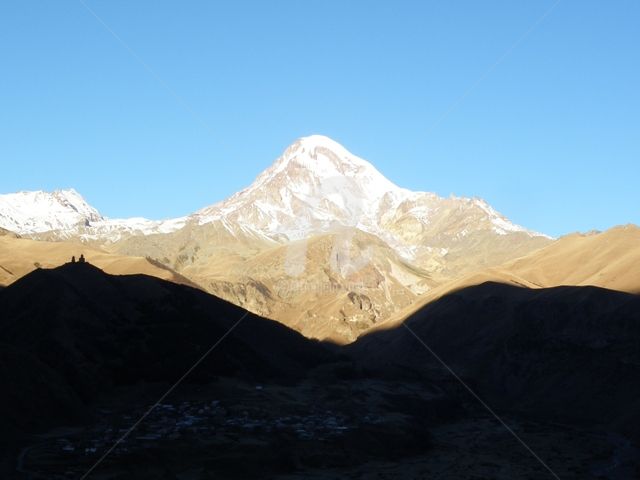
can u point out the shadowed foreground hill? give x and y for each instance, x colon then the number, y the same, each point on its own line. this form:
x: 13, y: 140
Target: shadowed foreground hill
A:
x: 564, y: 354
x: 89, y: 350
x: 70, y: 333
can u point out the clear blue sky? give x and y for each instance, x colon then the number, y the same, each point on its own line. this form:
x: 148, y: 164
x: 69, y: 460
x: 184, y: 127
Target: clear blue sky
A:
x: 550, y: 136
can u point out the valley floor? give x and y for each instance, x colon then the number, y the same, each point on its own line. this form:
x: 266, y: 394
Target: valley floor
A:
x: 356, y: 429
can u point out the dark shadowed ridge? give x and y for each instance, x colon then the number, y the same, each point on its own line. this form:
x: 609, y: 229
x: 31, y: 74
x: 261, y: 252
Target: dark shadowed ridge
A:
x: 74, y: 332
x: 564, y: 354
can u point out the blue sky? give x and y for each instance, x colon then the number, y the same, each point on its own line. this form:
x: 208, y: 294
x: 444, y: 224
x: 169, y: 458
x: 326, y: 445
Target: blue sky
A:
x: 549, y: 136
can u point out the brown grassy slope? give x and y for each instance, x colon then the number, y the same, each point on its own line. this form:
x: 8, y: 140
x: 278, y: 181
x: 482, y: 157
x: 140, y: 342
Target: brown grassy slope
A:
x: 609, y: 260
x: 19, y: 256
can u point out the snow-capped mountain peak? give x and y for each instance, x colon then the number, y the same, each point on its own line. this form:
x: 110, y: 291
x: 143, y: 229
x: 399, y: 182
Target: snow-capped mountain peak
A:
x: 36, y: 212
x: 315, y: 186
x: 327, y: 159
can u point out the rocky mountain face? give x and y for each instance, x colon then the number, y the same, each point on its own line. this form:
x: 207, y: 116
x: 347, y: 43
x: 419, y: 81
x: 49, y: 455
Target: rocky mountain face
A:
x: 314, y: 221
x: 325, y: 298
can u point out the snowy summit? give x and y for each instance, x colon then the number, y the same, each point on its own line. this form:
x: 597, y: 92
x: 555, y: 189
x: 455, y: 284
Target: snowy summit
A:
x: 315, y: 187
x: 37, y: 212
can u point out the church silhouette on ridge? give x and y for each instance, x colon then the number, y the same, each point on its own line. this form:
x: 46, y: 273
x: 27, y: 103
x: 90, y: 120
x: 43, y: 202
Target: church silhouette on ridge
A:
x: 80, y: 260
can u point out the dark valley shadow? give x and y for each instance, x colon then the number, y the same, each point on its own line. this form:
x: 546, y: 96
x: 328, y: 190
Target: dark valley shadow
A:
x: 83, y: 355
x: 565, y: 354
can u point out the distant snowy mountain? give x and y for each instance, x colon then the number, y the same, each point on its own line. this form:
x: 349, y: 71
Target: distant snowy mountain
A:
x: 315, y: 187
x: 65, y: 214
x: 37, y: 212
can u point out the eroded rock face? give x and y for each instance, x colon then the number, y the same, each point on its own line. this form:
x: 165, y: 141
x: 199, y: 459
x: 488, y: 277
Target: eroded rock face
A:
x: 250, y: 294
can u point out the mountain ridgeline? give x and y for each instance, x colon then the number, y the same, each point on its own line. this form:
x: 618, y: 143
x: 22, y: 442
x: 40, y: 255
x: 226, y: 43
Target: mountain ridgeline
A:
x: 318, y: 216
